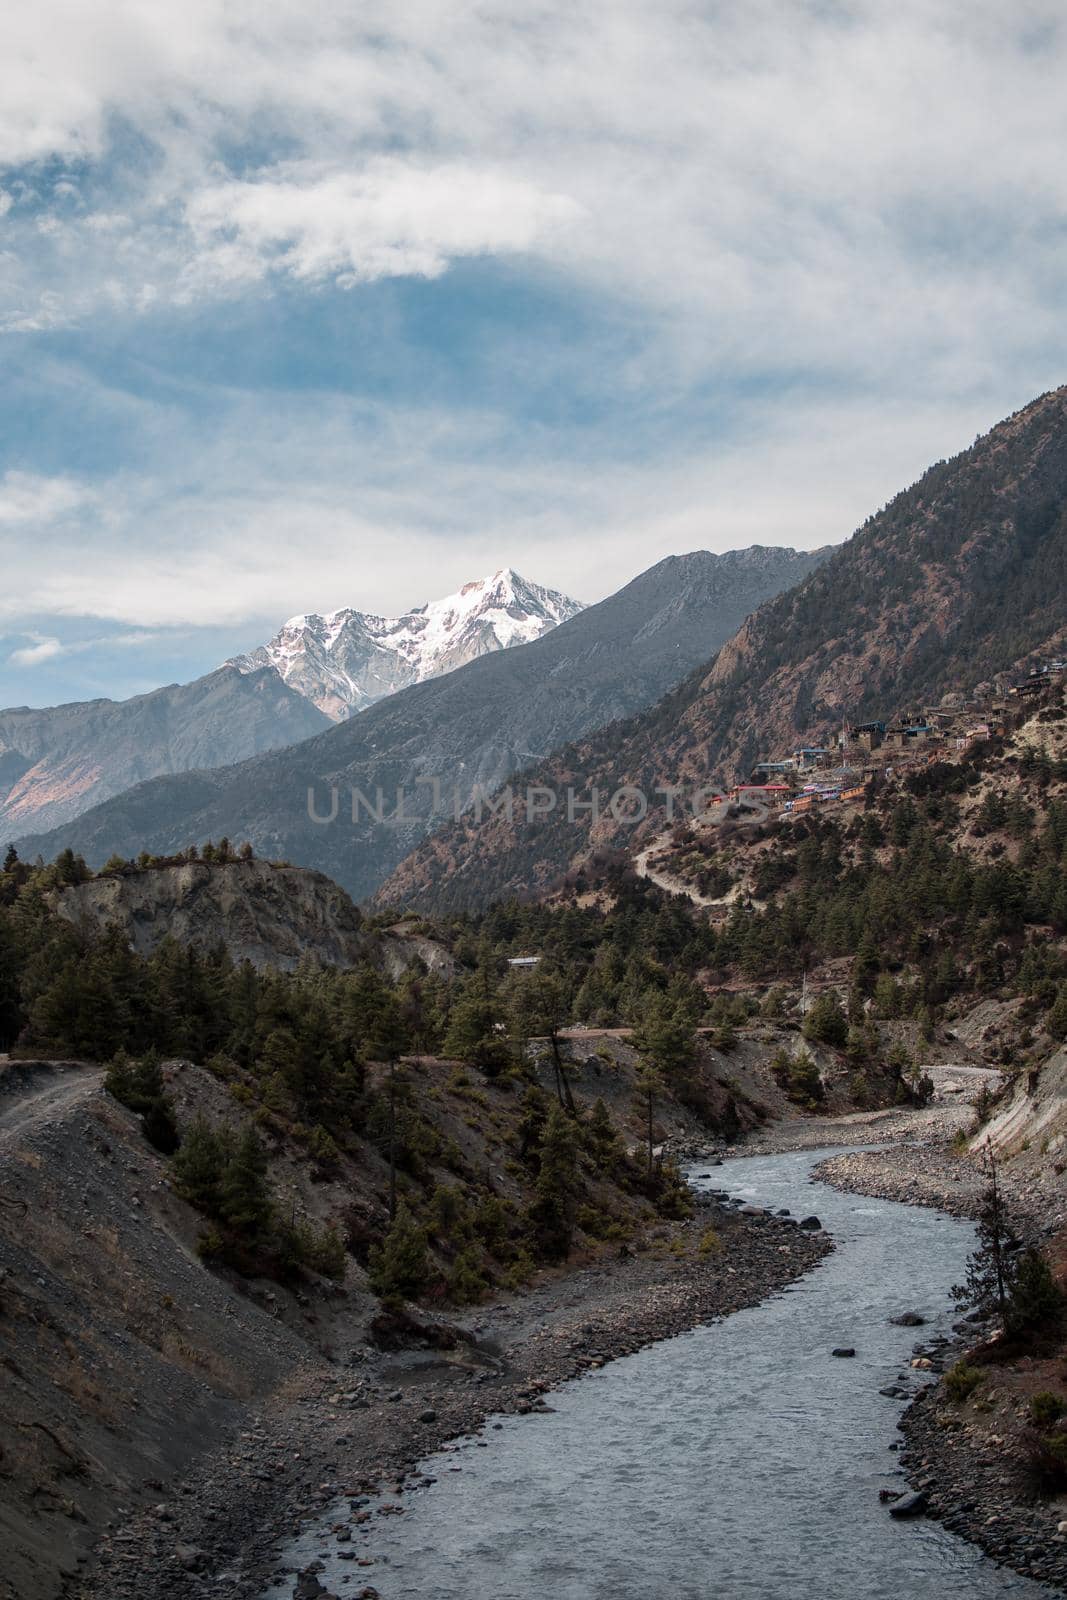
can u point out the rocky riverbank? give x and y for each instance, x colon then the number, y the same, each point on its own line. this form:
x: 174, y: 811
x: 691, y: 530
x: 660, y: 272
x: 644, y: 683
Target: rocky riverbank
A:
x: 929, y: 1171
x: 968, y: 1458
x: 973, y: 1475
x: 352, y: 1432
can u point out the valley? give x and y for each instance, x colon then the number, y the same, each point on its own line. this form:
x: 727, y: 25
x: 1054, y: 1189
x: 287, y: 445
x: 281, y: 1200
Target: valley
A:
x: 533, y: 801
x: 352, y: 1170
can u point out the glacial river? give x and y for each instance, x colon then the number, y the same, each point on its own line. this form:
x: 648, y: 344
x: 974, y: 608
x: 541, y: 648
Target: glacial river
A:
x: 738, y: 1462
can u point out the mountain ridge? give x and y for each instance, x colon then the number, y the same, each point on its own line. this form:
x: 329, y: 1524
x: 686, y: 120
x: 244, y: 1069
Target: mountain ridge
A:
x: 346, y: 660
x: 958, y: 578
x: 474, y: 726
x: 60, y: 760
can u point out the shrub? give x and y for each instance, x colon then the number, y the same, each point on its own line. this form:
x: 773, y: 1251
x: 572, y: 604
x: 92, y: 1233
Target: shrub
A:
x: 826, y: 1023
x: 962, y: 1380
x: 492, y: 1221
x: 1034, y: 1297
x: 520, y: 1271
x: 1045, y: 1408
x: 301, y: 1244
x: 799, y: 1077
x: 1047, y: 1455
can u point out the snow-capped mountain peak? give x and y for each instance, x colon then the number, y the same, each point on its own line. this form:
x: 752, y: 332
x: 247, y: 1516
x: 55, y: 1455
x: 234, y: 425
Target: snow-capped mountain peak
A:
x: 343, y: 661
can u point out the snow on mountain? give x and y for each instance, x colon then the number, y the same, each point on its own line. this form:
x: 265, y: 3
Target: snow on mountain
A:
x: 346, y: 660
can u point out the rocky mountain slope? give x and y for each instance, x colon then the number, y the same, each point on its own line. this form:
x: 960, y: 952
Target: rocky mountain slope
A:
x: 474, y: 726
x: 961, y: 578
x: 269, y: 914
x: 56, y: 763
x: 123, y: 1358
x: 346, y: 660
x: 127, y: 1359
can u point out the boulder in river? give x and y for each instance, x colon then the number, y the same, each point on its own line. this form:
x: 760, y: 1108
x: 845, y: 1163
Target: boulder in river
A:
x: 811, y: 1223
x: 909, y: 1319
x: 843, y: 1350
x: 909, y: 1505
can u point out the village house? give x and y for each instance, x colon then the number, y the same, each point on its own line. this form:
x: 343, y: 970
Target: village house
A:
x: 810, y: 756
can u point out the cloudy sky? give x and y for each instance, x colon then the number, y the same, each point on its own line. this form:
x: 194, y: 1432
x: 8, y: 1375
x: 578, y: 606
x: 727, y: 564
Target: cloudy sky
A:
x: 305, y: 305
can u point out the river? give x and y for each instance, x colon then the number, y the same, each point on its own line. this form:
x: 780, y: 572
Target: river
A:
x: 741, y: 1461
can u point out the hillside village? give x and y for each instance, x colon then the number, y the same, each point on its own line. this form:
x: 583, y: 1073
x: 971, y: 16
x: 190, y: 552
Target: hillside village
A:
x: 838, y: 774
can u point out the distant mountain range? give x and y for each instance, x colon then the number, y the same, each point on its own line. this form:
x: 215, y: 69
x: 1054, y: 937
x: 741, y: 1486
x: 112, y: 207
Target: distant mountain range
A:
x: 476, y: 725
x: 343, y: 662
x: 57, y: 763
x: 960, y: 579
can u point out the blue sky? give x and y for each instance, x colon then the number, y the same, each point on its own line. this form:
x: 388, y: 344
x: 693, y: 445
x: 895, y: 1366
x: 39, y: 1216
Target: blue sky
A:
x: 315, y: 305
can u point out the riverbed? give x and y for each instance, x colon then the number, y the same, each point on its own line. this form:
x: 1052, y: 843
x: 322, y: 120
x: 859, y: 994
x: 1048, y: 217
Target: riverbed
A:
x: 742, y: 1461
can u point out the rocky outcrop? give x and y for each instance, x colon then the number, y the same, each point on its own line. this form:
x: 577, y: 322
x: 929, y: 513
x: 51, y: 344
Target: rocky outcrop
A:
x: 1030, y: 1126
x: 269, y: 915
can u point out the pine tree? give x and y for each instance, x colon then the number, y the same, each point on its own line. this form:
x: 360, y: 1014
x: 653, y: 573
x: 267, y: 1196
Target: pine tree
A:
x: 198, y: 1168
x: 532, y: 1120
x: 538, y: 1008
x: 825, y: 1022
x: 244, y: 1196
x: 601, y: 1139
x: 551, y: 1214
x: 649, y: 1088
x: 1057, y: 1017
x: 987, y: 1284
x: 399, y: 1267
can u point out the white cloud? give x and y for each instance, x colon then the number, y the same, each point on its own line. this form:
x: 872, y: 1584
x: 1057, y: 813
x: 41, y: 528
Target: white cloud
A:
x: 843, y: 183
x: 785, y: 198
x: 32, y: 499
x: 46, y: 647
x: 43, y: 648
x: 314, y: 510
x: 389, y: 219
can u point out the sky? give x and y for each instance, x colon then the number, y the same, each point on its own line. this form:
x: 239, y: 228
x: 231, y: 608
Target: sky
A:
x: 322, y: 304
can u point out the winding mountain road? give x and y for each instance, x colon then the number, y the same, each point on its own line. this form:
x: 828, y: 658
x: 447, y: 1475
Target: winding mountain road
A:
x: 32, y: 1092
x: 671, y: 884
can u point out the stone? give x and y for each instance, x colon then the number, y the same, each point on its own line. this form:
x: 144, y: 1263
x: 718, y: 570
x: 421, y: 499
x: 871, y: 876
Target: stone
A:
x: 843, y: 1350
x: 189, y: 1557
x: 909, y: 1505
x: 428, y: 1415
x: 811, y: 1223
x: 910, y: 1319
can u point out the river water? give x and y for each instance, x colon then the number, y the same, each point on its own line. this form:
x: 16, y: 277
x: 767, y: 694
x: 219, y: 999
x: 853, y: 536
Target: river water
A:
x: 738, y: 1462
